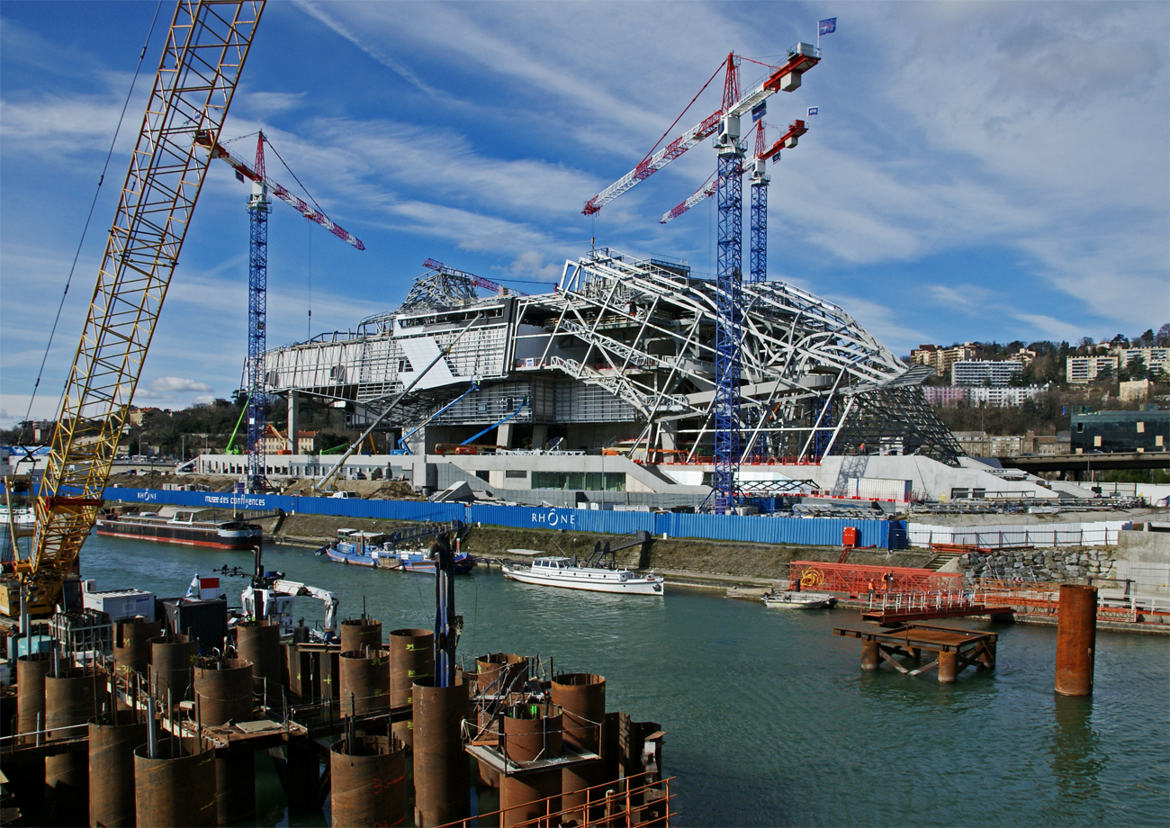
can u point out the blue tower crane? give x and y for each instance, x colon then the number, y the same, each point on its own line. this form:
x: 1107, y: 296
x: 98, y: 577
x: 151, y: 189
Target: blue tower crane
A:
x: 729, y: 283
x: 258, y: 210
x: 728, y: 189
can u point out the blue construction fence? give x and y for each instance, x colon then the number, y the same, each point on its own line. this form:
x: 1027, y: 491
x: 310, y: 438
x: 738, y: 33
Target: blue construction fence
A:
x: 880, y: 534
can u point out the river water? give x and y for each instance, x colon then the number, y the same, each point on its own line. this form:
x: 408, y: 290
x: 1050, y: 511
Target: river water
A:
x: 769, y: 719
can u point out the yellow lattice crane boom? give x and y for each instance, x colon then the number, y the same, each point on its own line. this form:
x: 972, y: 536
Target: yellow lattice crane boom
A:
x: 205, y: 51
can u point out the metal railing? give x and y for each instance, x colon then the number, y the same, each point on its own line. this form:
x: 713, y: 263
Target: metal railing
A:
x: 633, y: 802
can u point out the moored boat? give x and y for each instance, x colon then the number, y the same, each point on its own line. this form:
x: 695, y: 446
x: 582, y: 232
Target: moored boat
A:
x: 355, y: 548
x: 420, y: 560
x: 377, y: 549
x: 562, y: 572
x: 790, y: 599
x: 181, y: 528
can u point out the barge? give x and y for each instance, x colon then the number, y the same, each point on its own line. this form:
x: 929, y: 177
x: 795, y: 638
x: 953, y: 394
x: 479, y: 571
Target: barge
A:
x: 182, y: 528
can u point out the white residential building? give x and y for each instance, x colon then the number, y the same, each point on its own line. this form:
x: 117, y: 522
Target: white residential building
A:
x: 1156, y: 359
x: 1079, y: 370
x: 979, y: 371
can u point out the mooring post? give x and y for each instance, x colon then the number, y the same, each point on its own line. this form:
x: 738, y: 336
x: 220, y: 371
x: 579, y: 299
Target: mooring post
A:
x: 870, y: 656
x: 948, y: 662
x: 1076, y: 640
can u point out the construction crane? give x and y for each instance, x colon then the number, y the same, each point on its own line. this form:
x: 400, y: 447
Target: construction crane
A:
x: 204, y: 54
x: 759, y: 212
x: 258, y: 210
x: 730, y: 151
x: 785, y: 78
x: 759, y: 177
x: 478, y: 281
x: 729, y: 198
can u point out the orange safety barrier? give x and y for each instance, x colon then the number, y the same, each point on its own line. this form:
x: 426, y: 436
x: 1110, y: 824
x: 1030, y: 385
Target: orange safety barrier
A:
x: 855, y: 579
x: 1042, y: 598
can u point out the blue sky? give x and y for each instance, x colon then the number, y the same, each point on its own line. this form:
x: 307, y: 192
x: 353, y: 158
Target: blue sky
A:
x: 978, y: 171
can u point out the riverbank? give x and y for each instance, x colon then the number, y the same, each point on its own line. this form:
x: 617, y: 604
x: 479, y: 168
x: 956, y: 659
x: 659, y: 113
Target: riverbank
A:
x: 714, y: 564
x: 736, y: 570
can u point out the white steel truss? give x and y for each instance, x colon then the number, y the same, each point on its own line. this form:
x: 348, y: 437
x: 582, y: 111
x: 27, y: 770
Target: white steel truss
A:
x: 813, y: 381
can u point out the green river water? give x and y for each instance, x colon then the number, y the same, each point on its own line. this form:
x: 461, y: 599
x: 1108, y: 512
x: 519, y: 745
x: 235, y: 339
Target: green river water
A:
x: 769, y: 719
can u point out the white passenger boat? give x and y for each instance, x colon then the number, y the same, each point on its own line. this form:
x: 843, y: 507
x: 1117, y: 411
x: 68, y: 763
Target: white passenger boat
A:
x: 563, y: 572
x: 789, y: 599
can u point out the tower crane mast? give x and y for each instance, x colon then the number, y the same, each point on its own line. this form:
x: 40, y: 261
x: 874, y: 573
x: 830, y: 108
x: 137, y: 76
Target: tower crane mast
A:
x: 203, y: 56
x: 258, y: 210
x: 725, y: 125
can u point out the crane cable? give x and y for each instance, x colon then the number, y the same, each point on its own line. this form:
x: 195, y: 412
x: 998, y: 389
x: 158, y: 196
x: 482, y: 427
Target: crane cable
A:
x: 85, y: 230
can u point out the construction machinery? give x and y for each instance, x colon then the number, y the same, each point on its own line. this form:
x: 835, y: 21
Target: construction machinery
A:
x: 258, y: 210
x: 204, y: 54
x: 724, y: 125
x: 272, y: 600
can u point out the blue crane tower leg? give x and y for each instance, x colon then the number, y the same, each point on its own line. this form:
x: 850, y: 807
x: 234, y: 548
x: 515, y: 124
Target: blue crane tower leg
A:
x: 758, y: 271
x: 257, y: 321
x: 729, y: 196
x: 759, y: 253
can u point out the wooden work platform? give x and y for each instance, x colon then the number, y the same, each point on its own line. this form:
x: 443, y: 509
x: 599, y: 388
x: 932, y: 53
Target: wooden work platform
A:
x: 954, y: 649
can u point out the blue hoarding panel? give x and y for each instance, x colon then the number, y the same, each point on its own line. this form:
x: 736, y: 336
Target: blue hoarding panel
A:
x: 881, y: 534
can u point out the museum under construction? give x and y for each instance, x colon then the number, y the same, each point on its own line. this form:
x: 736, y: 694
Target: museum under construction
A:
x: 604, y: 389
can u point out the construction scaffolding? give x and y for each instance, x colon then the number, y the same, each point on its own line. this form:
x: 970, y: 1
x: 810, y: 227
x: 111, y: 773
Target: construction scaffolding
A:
x: 622, y: 351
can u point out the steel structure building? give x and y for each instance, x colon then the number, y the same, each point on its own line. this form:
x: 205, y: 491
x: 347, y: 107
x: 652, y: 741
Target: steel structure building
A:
x: 620, y: 356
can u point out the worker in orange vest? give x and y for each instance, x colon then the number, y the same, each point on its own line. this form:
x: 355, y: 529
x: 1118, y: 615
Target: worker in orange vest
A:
x: 871, y: 589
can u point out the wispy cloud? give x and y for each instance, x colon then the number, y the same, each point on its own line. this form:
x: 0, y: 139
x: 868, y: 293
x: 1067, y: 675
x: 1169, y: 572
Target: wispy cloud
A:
x: 176, y: 385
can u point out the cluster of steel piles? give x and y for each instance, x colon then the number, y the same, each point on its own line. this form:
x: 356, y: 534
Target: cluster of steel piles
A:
x: 549, y: 746
x: 154, y: 733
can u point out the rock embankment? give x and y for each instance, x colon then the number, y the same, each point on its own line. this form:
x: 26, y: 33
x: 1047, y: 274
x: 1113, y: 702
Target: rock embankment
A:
x: 1045, y: 565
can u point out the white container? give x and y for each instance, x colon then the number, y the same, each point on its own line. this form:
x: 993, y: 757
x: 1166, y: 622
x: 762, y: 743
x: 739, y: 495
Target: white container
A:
x: 118, y: 603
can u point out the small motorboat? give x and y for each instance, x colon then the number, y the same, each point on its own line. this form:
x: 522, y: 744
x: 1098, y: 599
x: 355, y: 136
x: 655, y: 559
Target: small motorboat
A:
x: 790, y: 599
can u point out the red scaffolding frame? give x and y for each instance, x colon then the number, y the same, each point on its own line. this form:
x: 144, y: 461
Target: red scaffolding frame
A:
x: 855, y: 579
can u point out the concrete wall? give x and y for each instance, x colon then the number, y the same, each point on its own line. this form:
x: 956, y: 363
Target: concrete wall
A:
x: 1145, y: 547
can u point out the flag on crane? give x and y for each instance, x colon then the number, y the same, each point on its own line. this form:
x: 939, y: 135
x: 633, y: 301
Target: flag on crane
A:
x: 827, y: 26
x: 814, y: 110
x: 759, y: 111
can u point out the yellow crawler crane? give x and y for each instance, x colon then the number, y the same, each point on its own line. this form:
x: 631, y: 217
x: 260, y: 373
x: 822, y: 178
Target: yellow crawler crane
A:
x: 204, y: 54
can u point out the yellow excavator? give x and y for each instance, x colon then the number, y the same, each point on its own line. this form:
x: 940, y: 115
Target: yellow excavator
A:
x: 206, y: 47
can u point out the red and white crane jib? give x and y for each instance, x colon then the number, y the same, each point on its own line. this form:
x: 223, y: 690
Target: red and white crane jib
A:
x: 706, y: 191
x: 786, y: 141
x: 654, y: 163
x: 786, y: 78
x: 308, y: 211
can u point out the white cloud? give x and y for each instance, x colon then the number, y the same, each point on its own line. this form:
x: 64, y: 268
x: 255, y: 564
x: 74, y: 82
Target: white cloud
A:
x: 176, y: 385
